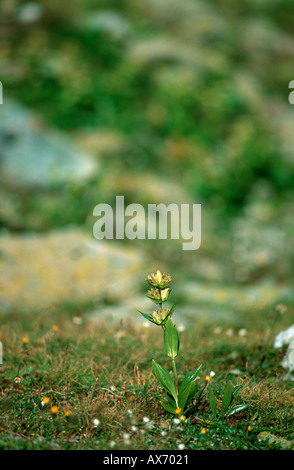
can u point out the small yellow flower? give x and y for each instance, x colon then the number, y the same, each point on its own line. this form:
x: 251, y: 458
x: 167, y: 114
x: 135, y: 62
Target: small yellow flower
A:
x: 159, y: 295
x: 158, y: 316
x: 178, y: 411
x: 165, y: 293
x: 25, y: 340
x: 154, y: 294
x: 158, y: 279
x: 207, y: 378
x: 17, y: 380
x: 203, y: 431
x: 54, y: 409
x: 54, y: 328
x: 67, y: 413
x: 249, y: 428
x: 45, y: 400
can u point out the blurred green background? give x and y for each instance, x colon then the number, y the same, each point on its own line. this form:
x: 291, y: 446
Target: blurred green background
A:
x: 180, y: 101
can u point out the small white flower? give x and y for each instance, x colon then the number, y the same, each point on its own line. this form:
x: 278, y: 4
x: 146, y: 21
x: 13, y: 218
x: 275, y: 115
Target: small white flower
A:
x: 242, y: 332
x: 130, y: 412
x: 112, y: 387
x: 181, y: 327
x: 181, y: 446
x: 112, y: 444
x: 134, y: 428
x: 77, y: 320
x: 176, y: 421
x: 163, y: 433
x: 146, y: 419
x: 211, y: 374
x: 126, y: 436
x: 229, y: 332
x: 96, y: 422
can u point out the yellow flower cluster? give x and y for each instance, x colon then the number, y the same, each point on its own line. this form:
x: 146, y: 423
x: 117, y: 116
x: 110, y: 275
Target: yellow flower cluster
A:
x: 159, y: 295
x: 158, y: 279
x: 158, y: 316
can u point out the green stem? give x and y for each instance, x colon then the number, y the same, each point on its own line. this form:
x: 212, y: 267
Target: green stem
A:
x: 175, y: 376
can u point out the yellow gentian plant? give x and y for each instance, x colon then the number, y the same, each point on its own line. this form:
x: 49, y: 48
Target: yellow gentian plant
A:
x: 181, y: 395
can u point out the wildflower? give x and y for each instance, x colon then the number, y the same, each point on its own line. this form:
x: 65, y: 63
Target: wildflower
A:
x: 249, y: 428
x: 45, y: 401
x: 25, y: 340
x: 242, y: 332
x: 281, y: 308
x: 181, y: 446
x: 178, y: 411
x: 134, y: 428
x: 154, y: 294
x: 163, y: 433
x: 17, y: 380
x: 203, y: 431
x: 158, y: 279
x: 112, y: 444
x: 217, y: 330
x: 77, y: 320
x: 54, y: 328
x: 67, y: 413
x: 176, y: 421
x: 126, y: 436
x: 164, y: 294
x: 96, y: 422
x: 146, y: 419
x: 54, y: 409
x: 130, y: 412
x: 208, y: 377
x: 158, y: 316
x: 181, y: 327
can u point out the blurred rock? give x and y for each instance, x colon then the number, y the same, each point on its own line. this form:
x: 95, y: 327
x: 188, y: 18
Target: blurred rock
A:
x: 231, y: 296
x: 262, y: 244
x: 42, y: 271
x: 35, y: 157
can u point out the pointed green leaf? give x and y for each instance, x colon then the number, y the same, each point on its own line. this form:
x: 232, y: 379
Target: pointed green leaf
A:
x: 165, y: 379
x: 190, y: 378
x: 171, y: 409
x: 236, y: 409
x: 236, y: 390
x: 145, y: 315
x: 186, y: 395
x: 227, y: 398
x: 169, y: 315
x: 171, y: 339
x: 212, y: 403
